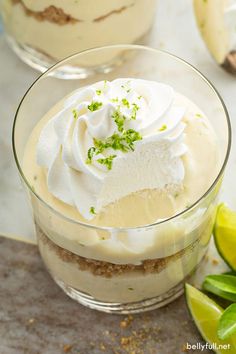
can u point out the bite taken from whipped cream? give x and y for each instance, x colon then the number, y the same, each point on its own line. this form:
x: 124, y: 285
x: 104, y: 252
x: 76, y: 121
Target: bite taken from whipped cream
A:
x: 128, y: 143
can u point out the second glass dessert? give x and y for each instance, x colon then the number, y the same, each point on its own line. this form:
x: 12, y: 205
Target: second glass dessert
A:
x: 123, y: 171
x: 46, y: 31
x: 216, y: 21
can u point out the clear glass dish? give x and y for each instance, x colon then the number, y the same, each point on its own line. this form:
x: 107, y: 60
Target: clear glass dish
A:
x: 43, y: 32
x: 79, y: 256
x: 216, y: 20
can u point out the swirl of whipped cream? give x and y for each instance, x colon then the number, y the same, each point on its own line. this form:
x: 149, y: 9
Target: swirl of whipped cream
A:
x: 112, y: 139
x: 230, y: 21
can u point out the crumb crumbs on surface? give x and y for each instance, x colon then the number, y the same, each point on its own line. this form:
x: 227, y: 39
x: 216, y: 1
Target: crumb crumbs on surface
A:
x: 184, y: 348
x: 215, y: 261
x: 124, y: 340
x: 102, y: 347
x: 67, y: 348
x: 92, y: 344
x: 31, y: 320
x: 126, y: 321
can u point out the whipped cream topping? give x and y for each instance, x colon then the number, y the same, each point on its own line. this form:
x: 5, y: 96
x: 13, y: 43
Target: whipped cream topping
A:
x: 230, y: 21
x: 111, y: 139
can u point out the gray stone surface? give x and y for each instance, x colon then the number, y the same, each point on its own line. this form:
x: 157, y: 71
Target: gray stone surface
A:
x: 36, y: 317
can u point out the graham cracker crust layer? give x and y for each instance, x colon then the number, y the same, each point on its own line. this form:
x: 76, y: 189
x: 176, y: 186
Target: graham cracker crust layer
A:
x: 118, y: 11
x: 107, y: 269
x: 57, y: 15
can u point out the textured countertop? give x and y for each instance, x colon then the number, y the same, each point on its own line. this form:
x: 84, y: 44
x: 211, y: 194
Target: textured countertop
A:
x: 35, y: 316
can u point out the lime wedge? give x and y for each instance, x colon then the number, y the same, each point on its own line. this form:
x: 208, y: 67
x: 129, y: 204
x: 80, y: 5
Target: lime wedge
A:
x: 223, y: 285
x: 225, y: 235
x: 206, y: 315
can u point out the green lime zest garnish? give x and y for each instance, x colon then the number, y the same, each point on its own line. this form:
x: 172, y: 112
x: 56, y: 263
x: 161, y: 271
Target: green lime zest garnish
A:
x: 92, y: 210
x: 75, y: 113
x: 98, y: 92
x: 122, y: 139
x: 107, y: 161
x: 91, y: 152
x: 125, y: 102
x: 126, y: 88
x: 198, y: 115
x: 162, y: 128
x: 119, y: 119
x: 123, y: 142
x: 131, y: 136
x: 134, y: 110
x: 94, y: 106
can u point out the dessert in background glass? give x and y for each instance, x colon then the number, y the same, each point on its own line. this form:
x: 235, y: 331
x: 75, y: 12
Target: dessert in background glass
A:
x: 216, y: 21
x: 46, y: 31
x: 123, y: 171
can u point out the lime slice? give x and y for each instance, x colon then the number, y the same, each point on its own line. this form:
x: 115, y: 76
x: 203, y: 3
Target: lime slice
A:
x: 225, y: 235
x: 206, y: 315
x: 222, y: 285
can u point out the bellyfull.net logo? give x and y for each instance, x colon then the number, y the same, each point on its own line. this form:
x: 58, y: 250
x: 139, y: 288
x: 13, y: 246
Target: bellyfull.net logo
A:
x: 202, y: 347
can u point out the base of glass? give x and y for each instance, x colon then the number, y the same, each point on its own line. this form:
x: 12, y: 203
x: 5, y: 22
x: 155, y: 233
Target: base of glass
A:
x: 43, y: 62
x: 122, y: 308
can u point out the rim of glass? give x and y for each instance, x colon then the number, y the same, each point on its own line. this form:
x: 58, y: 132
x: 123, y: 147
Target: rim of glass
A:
x: 132, y: 47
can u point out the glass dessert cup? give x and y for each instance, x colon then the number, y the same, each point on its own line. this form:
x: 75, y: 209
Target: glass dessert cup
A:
x: 111, y: 269
x: 216, y: 22
x: 43, y: 34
